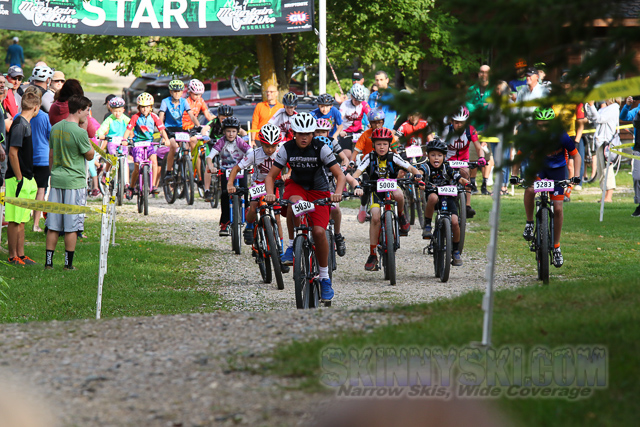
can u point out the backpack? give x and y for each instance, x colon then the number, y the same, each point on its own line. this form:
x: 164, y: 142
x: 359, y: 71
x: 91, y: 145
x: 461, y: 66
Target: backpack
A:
x: 373, y: 160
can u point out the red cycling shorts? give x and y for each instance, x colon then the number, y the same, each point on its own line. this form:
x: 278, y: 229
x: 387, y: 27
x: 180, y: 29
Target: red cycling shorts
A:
x: 319, y: 217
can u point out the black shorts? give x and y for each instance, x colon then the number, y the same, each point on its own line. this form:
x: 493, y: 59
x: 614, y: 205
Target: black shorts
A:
x: 452, y: 204
x: 346, y: 143
x: 41, y: 174
x: 171, y: 131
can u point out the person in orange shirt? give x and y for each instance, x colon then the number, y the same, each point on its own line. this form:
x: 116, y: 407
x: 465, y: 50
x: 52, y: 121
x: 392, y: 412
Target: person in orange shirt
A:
x: 264, y: 111
x: 364, y: 146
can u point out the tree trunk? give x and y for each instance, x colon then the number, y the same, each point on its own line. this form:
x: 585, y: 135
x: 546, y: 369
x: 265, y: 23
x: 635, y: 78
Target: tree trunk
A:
x: 283, y: 54
x: 266, y: 63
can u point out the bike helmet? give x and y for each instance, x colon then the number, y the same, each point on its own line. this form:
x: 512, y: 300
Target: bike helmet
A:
x: 357, y: 92
x: 324, y: 140
x: 290, y: 99
x: 269, y: 134
x: 116, y: 102
x: 382, y: 133
x: 462, y: 115
x: 325, y: 99
x: 145, y: 100
x: 176, y: 85
x: 375, y: 114
x: 196, y: 87
x: 544, y: 114
x: 303, y: 123
x: 323, y: 124
x: 225, y: 110
x: 41, y: 74
x: 436, y: 144
x: 230, y: 122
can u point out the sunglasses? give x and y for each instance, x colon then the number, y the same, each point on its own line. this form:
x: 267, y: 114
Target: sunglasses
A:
x: 18, y: 78
x: 59, y: 81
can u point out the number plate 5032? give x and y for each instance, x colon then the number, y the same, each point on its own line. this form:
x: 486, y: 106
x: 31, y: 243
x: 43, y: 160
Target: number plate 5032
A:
x: 448, y: 190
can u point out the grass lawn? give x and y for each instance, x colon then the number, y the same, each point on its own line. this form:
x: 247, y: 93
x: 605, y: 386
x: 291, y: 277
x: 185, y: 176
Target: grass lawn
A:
x: 592, y: 299
x: 141, y: 281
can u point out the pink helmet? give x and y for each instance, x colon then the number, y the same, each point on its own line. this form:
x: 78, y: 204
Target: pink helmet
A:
x: 324, y: 124
x: 462, y: 115
x: 196, y: 87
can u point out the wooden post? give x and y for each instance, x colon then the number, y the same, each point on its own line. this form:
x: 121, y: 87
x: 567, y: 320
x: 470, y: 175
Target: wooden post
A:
x: 266, y: 64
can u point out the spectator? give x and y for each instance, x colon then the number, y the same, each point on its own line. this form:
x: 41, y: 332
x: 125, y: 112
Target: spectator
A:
x: 264, y: 111
x: 627, y: 115
x: 70, y: 147
x: 532, y: 90
x: 383, y: 94
x: 56, y: 82
x: 3, y: 130
x: 358, y: 77
x: 15, y: 54
x: 20, y: 182
x: 501, y: 90
x: 477, y: 102
x: 10, y: 104
x: 520, y: 80
x: 41, y: 78
x: 60, y: 110
x: 106, y: 102
x: 606, y: 120
x: 542, y: 73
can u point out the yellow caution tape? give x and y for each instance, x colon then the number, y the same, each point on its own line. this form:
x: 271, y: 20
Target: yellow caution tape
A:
x: 488, y: 139
x: 619, y: 127
x: 108, y: 157
x: 51, y: 207
x: 631, y: 156
x: 618, y: 88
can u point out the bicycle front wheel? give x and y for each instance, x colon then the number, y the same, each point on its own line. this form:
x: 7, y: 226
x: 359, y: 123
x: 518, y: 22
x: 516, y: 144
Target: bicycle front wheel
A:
x: 262, y: 259
x: 274, y: 253
x: 542, y: 240
x: 169, y: 188
x: 145, y: 189
x: 390, y: 247
x: 301, y: 268
x: 215, y: 191
x: 420, y: 204
x: 409, y: 197
x: 332, y: 253
x: 189, y: 186
x: 444, y: 247
x: 121, y: 177
x: 236, y: 226
x: 462, y: 218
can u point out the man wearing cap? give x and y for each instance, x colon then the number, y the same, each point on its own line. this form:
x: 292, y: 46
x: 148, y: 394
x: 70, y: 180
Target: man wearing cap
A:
x: 520, y: 80
x: 358, y: 77
x: 14, y: 76
x: 15, y: 54
x: 532, y: 90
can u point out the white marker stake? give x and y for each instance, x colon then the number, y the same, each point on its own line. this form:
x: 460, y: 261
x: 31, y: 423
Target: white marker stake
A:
x: 604, y: 187
x: 104, y: 243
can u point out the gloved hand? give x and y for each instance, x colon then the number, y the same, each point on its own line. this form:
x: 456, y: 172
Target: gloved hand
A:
x: 482, y: 162
x: 19, y: 187
x: 514, y: 180
x: 576, y: 180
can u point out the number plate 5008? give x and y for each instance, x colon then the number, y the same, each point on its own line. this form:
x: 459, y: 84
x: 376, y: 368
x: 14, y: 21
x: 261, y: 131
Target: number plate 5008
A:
x: 543, y: 185
x: 302, y: 207
x: 387, y: 185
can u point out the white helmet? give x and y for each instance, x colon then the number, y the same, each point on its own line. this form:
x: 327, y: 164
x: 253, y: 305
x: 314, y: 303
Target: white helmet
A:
x: 269, y: 134
x: 462, y: 114
x: 196, y: 87
x: 303, y: 123
x: 357, y: 92
x: 41, y: 74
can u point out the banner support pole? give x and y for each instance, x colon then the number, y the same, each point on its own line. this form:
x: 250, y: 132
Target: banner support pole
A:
x: 322, y: 47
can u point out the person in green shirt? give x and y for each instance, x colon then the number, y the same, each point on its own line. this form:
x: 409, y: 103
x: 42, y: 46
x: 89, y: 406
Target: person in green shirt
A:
x: 476, y: 102
x: 70, y: 147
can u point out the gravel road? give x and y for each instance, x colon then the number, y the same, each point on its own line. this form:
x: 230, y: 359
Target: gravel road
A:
x: 186, y: 370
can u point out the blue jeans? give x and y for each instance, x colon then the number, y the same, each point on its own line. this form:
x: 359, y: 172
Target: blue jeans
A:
x: 580, y: 148
x: 505, y: 161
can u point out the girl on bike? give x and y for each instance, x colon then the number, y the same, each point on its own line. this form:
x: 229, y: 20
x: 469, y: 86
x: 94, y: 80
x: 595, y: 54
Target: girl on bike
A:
x: 437, y: 173
x: 113, y: 126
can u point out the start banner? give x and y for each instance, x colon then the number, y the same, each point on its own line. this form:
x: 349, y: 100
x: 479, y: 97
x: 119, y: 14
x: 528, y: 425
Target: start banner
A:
x: 158, y: 17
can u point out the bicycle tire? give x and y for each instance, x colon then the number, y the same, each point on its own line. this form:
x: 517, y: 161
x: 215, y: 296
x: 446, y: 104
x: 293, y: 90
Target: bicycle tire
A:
x: 381, y: 250
x: 445, y: 249
x: 300, y: 272
x: 420, y: 206
x: 121, y: 178
x: 145, y: 189
x: 274, y: 252
x: 139, y: 199
x: 178, y: 174
x: 203, y: 168
x: 236, y: 226
x: 332, y: 253
x: 390, y: 249
x: 542, y: 251
x: 462, y: 219
x: 262, y: 259
x: 169, y: 188
x: 436, y: 249
x: 189, y: 185
x: 314, y: 294
x: 410, y: 198
x: 215, y: 191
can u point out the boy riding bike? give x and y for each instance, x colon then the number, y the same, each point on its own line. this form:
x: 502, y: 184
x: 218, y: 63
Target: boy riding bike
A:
x: 141, y: 127
x: 382, y: 163
x: 326, y: 111
x: 458, y: 137
x: 554, y: 168
x: 352, y: 111
x: 410, y: 129
x: 113, y: 126
x: 437, y: 173
x: 307, y: 159
x: 282, y: 117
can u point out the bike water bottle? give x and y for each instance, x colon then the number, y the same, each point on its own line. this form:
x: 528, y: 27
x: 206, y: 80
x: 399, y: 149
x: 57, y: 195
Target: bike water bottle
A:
x: 444, y: 205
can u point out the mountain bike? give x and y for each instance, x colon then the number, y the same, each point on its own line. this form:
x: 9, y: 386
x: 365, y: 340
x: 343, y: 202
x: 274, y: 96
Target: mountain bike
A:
x: 440, y: 245
x: 414, y: 198
x: 237, y: 211
x: 461, y: 199
x: 542, y: 243
x: 119, y: 182
x: 144, y: 177
x: 181, y: 184
x: 201, y: 160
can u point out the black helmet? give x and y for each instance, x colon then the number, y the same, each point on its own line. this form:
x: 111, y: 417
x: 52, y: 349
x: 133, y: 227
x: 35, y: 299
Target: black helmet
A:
x: 436, y: 144
x: 325, y: 99
x: 290, y: 99
x: 230, y: 122
x: 225, y: 110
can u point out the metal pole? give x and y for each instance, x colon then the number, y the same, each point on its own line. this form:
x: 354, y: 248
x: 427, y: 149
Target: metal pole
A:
x: 322, y: 47
x: 604, y: 187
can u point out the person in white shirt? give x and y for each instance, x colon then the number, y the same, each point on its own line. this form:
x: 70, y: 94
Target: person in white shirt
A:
x: 532, y: 90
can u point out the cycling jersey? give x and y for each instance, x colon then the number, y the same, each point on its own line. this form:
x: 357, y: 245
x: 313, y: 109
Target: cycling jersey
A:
x: 173, y: 112
x: 231, y: 152
x: 216, y: 130
x: 352, y: 115
x: 386, y: 166
x: 365, y: 146
x: 557, y: 158
x: 407, y: 129
x: 458, y: 145
x: 568, y: 116
x: 261, y: 162
x: 197, y: 107
x: 143, y: 126
x: 334, y: 117
x: 114, y: 127
x: 283, y: 121
x: 307, y: 164
x: 442, y: 175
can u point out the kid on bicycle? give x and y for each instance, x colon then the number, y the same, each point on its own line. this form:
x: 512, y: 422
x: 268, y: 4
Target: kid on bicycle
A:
x: 326, y: 111
x: 554, y: 168
x: 382, y: 163
x: 232, y: 149
x: 282, y: 118
x: 113, y: 126
x: 195, y: 89
x: 437, y: 172
x: 141, y: 126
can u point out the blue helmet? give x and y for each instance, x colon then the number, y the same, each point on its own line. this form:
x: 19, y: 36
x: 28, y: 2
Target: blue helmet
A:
x: 375, y: 114
x: 325, y: 140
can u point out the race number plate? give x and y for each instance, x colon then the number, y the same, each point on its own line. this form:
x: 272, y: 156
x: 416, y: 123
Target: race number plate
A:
x: 302, y: 207
x: 182, y: 136
x: 414, y: 151
x: 543, y: 185
x: 387, y: 185
x: 457, y: 164
x: 142, y: 144
x: 116, y: 140
x: 258, y: 191
x: 238, y: 176
x: 448, y: 190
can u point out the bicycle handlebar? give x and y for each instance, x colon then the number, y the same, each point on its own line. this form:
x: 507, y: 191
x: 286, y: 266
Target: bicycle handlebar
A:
x: 516, y: 180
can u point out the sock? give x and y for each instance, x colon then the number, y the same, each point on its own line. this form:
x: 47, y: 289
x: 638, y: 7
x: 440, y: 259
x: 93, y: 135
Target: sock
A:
x: 362, y: 208
x: 484, y: 181
x: 290, y: 243
x: 49, y: 260
x: 373, y: 249
x: 427, y: 221
x: 324, y: 272
x: 68, y: 259
x: 473, y: 181
x: 556, y: 246
x: 250, y: 225
x: 529, y: 222
x: 454, y: 246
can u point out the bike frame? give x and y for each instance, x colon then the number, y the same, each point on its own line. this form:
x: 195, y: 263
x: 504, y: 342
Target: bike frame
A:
x: 145, y: 161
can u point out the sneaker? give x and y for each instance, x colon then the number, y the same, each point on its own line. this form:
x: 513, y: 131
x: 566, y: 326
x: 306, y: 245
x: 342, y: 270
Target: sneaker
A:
x: 48, y: 267
x: 207, y: 196
x: 168, y: 176
x: 470, y: 212
x: 404, y: 225
x: 426, y: 232
x: 578, y: 187
x: 248, y: 236
x: 557, y: 258
x: 128, y: 192
x: 474, y: 188
x: 326, y: 292
x: 567, y: 199
x: 528, y: 232
x: 154, y: 191
x: 27, y: 260
x: 372, y: 263
x: 95, y: 192
x: 484, y: 190
x: 636, y: 213
x: 362, y: 216
x: 68, y: 268
x: 456, y: 259
x: 224, y: 230
x: 341, y: 247
x: 16, y: 261
x: 287, y: 257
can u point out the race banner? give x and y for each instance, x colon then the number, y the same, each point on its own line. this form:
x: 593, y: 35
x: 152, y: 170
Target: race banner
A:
x: 158, y: 17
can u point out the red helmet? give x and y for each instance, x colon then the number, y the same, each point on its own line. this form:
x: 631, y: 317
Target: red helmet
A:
x: 382, y: 133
